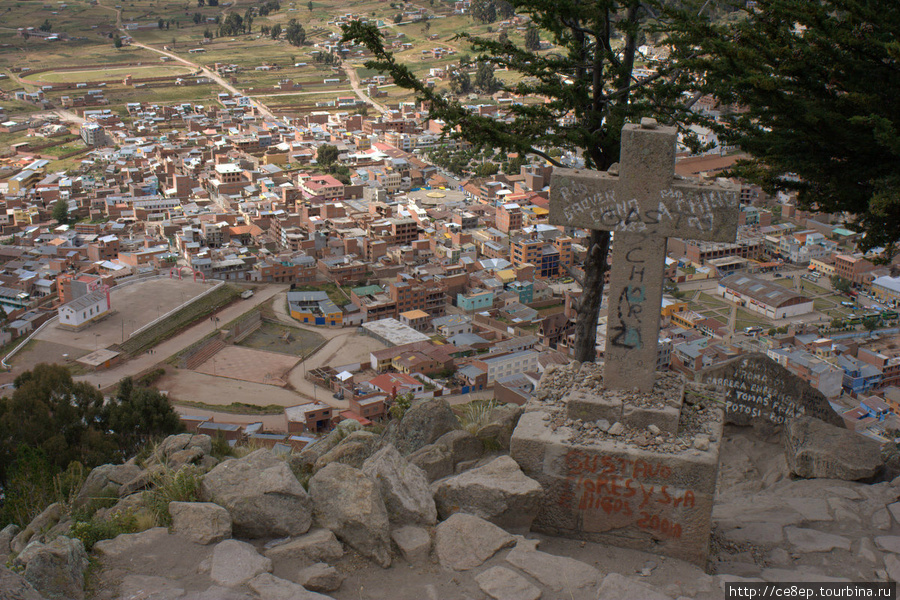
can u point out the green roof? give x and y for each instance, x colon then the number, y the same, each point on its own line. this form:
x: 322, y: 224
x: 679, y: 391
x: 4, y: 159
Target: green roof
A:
x: 842, y: 231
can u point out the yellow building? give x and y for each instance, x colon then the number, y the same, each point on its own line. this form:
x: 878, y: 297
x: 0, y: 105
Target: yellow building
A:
x: 820, y: 266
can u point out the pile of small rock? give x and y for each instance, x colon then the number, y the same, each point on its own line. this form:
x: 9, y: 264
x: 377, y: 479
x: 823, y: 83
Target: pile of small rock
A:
x: 697, y: 421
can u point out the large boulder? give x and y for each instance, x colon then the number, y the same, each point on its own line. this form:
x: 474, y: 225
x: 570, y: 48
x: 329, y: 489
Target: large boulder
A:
x: 423, y: 424
x: 126, y: 544
x: 183, y: 441
x: 815, y: 449
x: 316, y: 546
x: 306, y: 459
x: 234, y: 563
x: 14, y: 587
x: 56, y: 569
x: 105, y: 481
x: 502, y: 584
x: 274, y: 588
x: 349, y: 504
x: 261, y: 494
x: 7, y: 535
x: 441, y: 458
x: 201, y: 522
x: 353, y: 450
x: 464, y: 542
x: 502, y: 421
x: 403, y: 487
x: 499, y: 492
x: 38, y: 526
x: 560, y: 574
x: 414, y: 543
x: 320, y: 577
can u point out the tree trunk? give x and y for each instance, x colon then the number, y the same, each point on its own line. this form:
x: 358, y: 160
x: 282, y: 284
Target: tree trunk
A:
x: 592, y: 293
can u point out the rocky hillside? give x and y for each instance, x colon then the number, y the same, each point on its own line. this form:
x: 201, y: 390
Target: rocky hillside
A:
x: 423, y: 511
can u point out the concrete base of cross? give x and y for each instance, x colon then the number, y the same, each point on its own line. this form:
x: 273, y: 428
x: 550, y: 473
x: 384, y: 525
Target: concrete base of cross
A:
x: 647, y: 482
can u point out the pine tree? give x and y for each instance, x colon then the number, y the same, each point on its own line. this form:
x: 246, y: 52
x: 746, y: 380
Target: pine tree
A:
x: 532, y: 39
x: 589, y: 89
x: 818, y: 84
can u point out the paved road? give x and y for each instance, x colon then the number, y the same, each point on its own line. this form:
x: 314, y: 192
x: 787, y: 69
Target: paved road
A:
x: 181, y: 341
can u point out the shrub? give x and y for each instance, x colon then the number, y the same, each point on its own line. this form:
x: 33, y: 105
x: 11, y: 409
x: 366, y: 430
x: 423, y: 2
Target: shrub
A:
x: 94, y: 530
x: 172, y: 486
x: 477, y: 414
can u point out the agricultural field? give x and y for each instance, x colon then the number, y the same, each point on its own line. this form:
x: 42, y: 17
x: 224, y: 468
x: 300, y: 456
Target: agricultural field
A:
x: 181, y: 26
x: 142, y: 71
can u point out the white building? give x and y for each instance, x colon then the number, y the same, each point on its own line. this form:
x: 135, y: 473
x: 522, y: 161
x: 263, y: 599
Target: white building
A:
x: 82, y: 310
x: 763, y: 297
x: 509, y: 364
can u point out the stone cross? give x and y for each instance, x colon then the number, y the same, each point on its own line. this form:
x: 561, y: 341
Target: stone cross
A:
x: 642, y: 205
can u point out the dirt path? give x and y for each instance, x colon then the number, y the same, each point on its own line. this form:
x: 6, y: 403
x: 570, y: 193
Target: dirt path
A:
x: 178, y: 343
x: 354, y: 83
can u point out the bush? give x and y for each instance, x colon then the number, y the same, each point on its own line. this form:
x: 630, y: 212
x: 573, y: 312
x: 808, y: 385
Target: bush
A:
x: 477, y: 414
x: 94, y: 530
x: 172, y: 486
x: 400, y: 405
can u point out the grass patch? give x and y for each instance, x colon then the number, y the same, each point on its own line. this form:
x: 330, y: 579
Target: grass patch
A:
x: 112, y: 73
x: 711, y: 301
x: 172, y: 486
x: 94, y: 530
x: 235, y: 408
x: 196, y: 310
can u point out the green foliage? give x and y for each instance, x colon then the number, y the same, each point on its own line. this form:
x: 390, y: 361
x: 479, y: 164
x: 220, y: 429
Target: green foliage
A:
x: 486, y: 169
x: 233, y: 25
x: 532, y: 39
x: 326, y: 154
x: 589, y: 89
x: 460, y: 82
x: 871, y: 323
x: 400, y: 405
x: 94, y: 530
x: 51, y: 426
x: 483, y: 11
x: 477, y: 414
x: 294, y: 34
x: 485, y: 80
x: 398, y: 18
x: 46, y: 26
x: 61, y: 212
x: 139, y: 414
x: 269, y: 7
x: 275, y: 31
x: 117, y: 41
x: 840, y: 284
x: 220, y: 448
x: 803, y: 72
x: 172, y: 486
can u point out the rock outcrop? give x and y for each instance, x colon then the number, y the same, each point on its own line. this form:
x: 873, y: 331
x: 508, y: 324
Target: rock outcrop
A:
x: 105, y: 481
x: 352, y: 450
x: 440, y: 459
x: 815, y: 449
x: 261, y: 494
x: 403, y: 487
x: 423, y: 424
x: 349, y: 504
x: 234, y: 563
x: 464, y: 542
x: 317, y: 545
x: 497, y: 491
x: 201, y: 522
x: 55, y: 569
